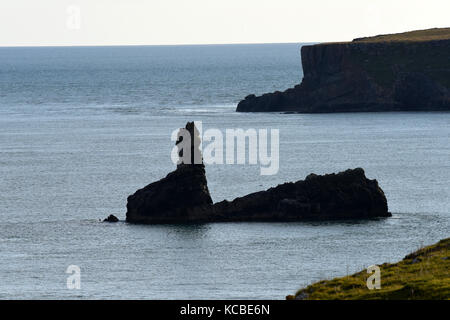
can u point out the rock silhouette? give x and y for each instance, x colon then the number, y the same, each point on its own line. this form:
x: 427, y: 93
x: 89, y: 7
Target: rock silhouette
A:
x: 111, y: 218
x: 183, y: 197
x: 175, y: 197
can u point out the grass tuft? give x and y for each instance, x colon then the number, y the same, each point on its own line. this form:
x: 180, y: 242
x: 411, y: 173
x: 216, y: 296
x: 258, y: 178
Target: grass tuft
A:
x: 424, y: 274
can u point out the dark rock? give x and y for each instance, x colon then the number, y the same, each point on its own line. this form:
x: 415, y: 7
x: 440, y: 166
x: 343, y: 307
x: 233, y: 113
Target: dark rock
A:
x: 346, y: 195
x: 174, y: 198
x: 183, y: 197
x: 300, y: 296
x: 366, y: 76
x: 111, y: 218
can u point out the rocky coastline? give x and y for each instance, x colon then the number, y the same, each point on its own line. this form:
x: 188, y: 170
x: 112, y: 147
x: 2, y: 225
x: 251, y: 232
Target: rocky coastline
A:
x: 401, y: 72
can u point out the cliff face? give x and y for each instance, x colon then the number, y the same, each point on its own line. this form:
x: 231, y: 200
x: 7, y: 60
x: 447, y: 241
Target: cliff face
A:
x: 366, y: 75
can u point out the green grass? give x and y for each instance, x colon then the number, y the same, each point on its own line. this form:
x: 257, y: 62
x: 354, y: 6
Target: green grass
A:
x: 424, y: 274
x: 417, y: 35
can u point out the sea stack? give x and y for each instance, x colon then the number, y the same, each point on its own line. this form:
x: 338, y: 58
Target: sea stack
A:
x: 398, y: 72
x: 175, y: 197
x: 183, y: 196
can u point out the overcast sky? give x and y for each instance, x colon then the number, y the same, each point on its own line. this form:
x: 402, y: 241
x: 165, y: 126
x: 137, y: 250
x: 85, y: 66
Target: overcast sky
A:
x: 147, y: 22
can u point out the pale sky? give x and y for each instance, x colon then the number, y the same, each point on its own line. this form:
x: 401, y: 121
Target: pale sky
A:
x: 150, y: 22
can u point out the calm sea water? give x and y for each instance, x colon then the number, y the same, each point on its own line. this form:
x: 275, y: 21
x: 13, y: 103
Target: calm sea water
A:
x: 83, y: 128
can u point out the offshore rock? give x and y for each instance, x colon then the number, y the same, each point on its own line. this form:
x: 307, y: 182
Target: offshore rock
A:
x: 346, y: 195
x: 183, y: 197
x: 174, y: 198
x: 111, y: 218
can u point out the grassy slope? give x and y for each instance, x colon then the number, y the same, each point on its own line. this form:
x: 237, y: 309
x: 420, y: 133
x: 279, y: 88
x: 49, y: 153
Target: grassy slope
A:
x: 424, y: 274
x: 417, y: 35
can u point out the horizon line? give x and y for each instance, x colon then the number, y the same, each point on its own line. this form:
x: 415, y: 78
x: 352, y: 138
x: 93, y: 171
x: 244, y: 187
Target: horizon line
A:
x: 156, y: 45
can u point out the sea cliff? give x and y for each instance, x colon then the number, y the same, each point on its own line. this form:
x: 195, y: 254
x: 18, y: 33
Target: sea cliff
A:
x: 401, y: 72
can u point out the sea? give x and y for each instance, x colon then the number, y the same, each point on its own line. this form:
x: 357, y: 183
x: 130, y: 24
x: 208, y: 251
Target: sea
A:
x: 82, y: 128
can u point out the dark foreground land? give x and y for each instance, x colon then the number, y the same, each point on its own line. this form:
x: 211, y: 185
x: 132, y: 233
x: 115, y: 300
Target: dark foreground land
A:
x: 424, y: 274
